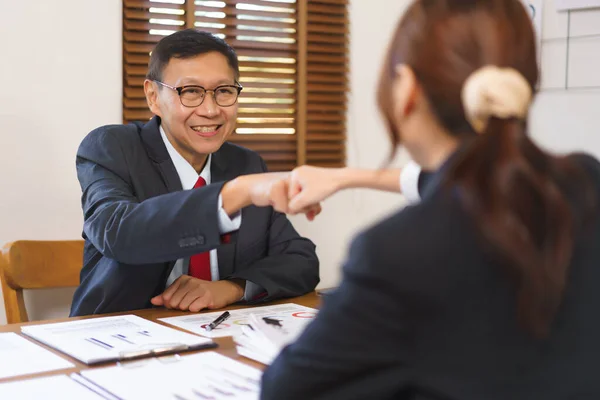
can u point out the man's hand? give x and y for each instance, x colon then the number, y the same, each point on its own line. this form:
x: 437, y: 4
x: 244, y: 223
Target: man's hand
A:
x: 276, y: 191
x: 189, y: 293
x: 258, y: 189
x: 308, y: 186
x: 267, y: 189
x: 270, y: 189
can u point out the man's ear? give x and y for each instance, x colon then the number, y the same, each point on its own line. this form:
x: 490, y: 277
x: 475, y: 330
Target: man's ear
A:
x: 405, y: 91
x: 151, y: 92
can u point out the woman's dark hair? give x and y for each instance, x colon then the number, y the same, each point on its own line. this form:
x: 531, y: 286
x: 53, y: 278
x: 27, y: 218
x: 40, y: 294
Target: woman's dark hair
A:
x: 188, y: 43
x: 514, y: 191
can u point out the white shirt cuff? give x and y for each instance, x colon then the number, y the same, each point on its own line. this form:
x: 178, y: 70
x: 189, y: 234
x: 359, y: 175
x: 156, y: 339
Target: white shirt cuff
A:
x: 227, y: 224
x: 409, y: 181
x: 252, y: 291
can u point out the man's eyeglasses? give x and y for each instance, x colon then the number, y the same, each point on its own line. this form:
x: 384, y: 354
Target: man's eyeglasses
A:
x: 194, y: 95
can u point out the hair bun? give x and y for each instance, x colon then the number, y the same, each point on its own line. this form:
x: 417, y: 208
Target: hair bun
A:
x: 492, y: 91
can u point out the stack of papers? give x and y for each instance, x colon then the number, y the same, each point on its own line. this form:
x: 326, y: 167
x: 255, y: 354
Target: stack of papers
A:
x: 206, y: 375
x: 264, y: 338
x: 18, y: 356
x: 54, y: 387
x: 114, y: 338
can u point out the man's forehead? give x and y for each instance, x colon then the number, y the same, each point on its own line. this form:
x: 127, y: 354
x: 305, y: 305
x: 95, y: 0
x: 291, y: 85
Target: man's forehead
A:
x: 204, y: 69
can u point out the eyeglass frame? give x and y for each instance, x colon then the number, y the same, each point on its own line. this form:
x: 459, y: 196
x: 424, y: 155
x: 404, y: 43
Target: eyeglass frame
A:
x: 179, y: 89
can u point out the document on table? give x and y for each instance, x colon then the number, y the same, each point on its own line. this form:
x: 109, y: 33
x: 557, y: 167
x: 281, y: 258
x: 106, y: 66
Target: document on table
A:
x: 21, y: 357
x: 114, y: 338
x: 53, y: 387
x: 284, y: 313
x: 206, y: 375
x: 264, y: 339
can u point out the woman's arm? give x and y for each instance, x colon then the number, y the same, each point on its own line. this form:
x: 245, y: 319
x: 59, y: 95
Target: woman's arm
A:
x: 310, y: 185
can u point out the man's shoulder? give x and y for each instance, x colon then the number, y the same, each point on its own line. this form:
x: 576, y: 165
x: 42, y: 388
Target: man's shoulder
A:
x: 229, y: 148
x: 111, y: 137
x: 242, y: 155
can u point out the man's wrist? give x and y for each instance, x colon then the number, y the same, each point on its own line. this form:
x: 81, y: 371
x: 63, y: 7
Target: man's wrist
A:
x: 235, y: 195
x: 239, y: 288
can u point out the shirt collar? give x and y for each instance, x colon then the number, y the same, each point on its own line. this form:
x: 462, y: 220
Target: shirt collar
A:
x: 187, y: 174
x: 437, y: 178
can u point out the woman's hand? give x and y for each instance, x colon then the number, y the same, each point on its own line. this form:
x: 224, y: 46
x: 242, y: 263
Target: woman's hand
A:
x: 262, y: 190
x: 308, y: 186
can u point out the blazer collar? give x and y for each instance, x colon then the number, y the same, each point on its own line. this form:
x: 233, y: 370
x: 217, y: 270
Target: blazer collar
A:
x: 438, y: 180
x: 221, y: 168
x: 151, y: 138
x: 156, y: 150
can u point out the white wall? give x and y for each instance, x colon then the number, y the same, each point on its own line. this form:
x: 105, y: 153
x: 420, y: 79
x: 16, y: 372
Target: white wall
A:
x: 63, y: 78
x: 569, y: 120
x: 60, y: 77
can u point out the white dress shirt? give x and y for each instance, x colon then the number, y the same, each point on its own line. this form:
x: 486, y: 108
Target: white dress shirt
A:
x: 188, y: 177
x: 409, y: 181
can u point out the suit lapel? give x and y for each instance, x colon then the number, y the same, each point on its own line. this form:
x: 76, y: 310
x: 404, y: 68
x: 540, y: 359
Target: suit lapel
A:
x: 159, y: 155
x: 221, y: 170
x: 169, y: 174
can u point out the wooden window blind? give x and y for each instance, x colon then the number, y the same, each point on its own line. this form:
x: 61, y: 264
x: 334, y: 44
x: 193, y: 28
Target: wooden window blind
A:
x: 293, y: 64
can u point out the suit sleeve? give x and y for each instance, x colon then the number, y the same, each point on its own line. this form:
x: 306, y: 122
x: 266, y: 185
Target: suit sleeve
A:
x: 159, y: 229
x: 291, y: 267
x: 350, y: 346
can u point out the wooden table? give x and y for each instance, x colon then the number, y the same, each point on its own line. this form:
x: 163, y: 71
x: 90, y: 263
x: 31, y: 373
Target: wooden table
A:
x: 226, y: 344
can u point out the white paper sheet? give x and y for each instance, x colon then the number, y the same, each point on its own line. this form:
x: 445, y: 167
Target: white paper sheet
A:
x: 263, y: 342
x: 110, y: 338
x: 18, y: 356
x: 54, y: 387
x: 192, y: 376
x: 231, y: 327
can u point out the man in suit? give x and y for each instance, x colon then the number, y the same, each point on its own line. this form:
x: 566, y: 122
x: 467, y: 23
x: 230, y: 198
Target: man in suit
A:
x: 171, y: 210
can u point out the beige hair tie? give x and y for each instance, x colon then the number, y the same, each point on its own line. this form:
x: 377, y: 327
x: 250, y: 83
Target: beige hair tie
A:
x: 492, y: 91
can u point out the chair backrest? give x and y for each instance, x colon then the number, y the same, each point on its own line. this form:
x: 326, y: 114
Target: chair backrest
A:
x: 37, y: 264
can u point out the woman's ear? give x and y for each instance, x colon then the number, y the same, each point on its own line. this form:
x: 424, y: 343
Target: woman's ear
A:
x: 404, y: 91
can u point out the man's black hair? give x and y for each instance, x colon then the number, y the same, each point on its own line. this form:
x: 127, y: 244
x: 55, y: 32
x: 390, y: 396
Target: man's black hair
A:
x: 188, y: 43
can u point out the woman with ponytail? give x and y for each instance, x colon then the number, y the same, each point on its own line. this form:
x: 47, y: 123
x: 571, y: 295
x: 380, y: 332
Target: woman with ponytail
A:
x: 488, y: 287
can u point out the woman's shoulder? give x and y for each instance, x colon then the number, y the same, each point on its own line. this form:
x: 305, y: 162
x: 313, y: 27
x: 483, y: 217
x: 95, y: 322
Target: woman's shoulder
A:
x: 418, y: 235
x: 588, y: 162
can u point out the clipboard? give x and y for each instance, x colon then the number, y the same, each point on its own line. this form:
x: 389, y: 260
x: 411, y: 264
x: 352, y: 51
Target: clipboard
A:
x: 116, y: 338
x: 160, y: 351
x: 207, y: 375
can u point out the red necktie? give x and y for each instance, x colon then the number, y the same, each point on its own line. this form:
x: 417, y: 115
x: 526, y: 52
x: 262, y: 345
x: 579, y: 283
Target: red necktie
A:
x: 200, y: 263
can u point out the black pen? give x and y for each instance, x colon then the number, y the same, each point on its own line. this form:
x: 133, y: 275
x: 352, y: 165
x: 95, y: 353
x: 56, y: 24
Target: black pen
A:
x: 272, y: 321
x: 218, y: 321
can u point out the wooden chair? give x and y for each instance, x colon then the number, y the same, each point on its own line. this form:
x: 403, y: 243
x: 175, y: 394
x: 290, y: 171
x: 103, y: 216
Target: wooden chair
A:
x: 36, y: 264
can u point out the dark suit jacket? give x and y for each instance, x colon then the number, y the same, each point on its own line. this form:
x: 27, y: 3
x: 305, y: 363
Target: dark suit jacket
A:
x: 139, y: 221
x: 424, y: 312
